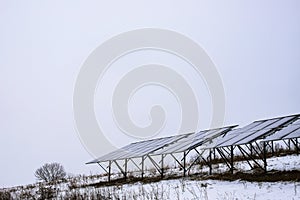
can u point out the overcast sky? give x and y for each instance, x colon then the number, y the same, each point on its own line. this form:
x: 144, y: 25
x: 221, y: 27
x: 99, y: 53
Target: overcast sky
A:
x: 43, y: 44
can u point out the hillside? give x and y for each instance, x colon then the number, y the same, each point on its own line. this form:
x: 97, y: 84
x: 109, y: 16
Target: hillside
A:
x: 281, y: 182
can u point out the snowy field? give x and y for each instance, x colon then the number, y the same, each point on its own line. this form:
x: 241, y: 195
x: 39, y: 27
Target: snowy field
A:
x: 183, y: 188
x: 186, y: 189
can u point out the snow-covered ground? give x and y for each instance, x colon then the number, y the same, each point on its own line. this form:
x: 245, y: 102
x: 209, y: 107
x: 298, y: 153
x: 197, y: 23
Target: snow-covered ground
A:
x: 188, y: 189
x: 185, y: 188
x: 285, y: 163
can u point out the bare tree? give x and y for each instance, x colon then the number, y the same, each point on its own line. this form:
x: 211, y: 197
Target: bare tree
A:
x: 50, y: 172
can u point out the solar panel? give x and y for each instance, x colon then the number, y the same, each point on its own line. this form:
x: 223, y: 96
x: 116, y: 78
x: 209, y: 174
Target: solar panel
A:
x: 283, y: 132
x: 137, y: 149
x: 209, y: 137
x: 252, y: 125
x: 106, y: 157
x: 264, y: 124
x: 238, y: 137
x: 192, y: 141
x: 297, y: 121
x: 268, y: 129
x: 257, y: 130
x: 180, y: 144
x: 147, y: 148
x: 281, y: 122
x: 220, y: 140
x: 295, y: 134
x: 253, y: 136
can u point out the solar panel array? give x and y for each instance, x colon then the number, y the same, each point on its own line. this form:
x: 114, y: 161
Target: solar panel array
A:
x: 287, y: 127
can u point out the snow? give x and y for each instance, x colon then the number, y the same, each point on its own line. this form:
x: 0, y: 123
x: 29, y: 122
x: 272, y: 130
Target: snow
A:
x: 286, y: 163
x: 183, y: 188
x: 194, y: 189
x: 187, y: 189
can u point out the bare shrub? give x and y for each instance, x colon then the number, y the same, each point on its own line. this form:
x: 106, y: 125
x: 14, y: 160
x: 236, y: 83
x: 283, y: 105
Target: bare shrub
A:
x: 5, y: 195
x: 46, y: 193
x: 50, y: 172
x: 26, y: 195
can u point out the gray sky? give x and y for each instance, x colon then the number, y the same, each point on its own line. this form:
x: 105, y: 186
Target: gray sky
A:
x: 255, y: 46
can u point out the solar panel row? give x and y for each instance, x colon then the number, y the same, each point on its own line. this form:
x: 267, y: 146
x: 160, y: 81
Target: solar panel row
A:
x: 287, y: 127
